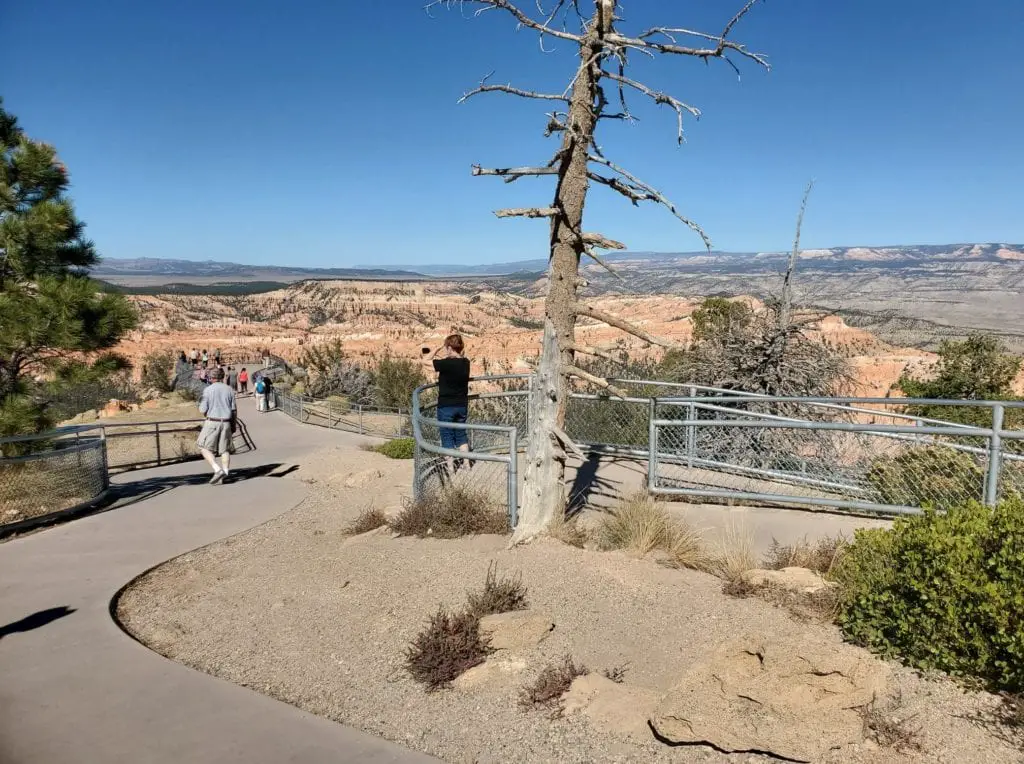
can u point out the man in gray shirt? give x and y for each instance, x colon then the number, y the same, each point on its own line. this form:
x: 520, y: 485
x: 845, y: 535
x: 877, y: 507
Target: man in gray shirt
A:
x: 232, y: 378
x: 215, y: 437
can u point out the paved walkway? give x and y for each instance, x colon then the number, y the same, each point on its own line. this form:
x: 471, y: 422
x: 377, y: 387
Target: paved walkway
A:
x: 74, y: 689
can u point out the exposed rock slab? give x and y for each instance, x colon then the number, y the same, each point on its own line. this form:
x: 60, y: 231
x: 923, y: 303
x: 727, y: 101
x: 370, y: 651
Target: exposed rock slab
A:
x: 617, y: 709
x: 795, y: 697
x: 496, y: 668
x: 520, y: 630
x: 802, y: 580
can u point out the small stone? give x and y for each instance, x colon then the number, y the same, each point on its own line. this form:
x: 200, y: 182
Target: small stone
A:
x: 517, y: 630
x: 491, y: 670
x: 793, y: 579
x: 617, y: 709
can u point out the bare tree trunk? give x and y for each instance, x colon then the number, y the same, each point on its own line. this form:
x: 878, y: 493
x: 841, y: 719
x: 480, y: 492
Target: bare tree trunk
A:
x: 544, y: 490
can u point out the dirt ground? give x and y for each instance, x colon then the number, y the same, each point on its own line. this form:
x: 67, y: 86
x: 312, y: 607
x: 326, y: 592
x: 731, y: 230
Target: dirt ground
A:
x: 297, y: 610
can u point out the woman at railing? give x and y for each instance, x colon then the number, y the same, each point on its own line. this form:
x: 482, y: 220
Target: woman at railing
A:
x: 452, y: 367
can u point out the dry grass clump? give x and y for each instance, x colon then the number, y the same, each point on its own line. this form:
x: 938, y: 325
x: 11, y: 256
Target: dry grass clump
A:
x: 449, y: 645
x: 451, y: 512
x: 640, y: 525
x: 734, y: 554
x: 569, y: 531
x: 368, y: 520
x: 551, y: 684
x: 616, y: 673
x: 822, y: 556
x: 882, y: 725
x: 499, y: 595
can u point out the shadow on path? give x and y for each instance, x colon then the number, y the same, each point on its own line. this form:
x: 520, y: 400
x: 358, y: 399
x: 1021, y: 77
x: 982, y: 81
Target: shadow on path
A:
x: 36, y: 620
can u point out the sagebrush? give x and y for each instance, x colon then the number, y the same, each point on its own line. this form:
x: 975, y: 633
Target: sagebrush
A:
x: 449, y: 645
x: 929, y: 476
x: 942, y: 591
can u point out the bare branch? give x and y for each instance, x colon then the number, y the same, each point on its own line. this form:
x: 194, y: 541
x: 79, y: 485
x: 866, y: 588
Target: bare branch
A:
x: 649, y: 193
x: 483, y: 87
x: 723, y: 45
x: 593, y: 256
x: 659, y: 98
x: 527, y: 212
x: 786, y: 305
x: 512, y: 174
x: 567, y: 442
x: 604, y: 384
x: 505, y: 5
x: 596, y: 352
x: 626, y: 326
x: 597, y: 240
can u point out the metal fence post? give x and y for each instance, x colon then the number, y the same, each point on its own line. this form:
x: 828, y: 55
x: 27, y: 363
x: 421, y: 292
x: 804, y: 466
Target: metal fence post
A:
x: 513, y: 479
x: 652, y: 446
x: 691, y: 432
x: 995, y: 456
x: 157, y: 431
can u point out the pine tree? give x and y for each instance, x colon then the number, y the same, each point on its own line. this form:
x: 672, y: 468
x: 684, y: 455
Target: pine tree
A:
x: 54, y: 321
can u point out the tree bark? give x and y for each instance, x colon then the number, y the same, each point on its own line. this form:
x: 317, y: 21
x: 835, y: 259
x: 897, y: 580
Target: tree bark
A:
x: 544, y: 474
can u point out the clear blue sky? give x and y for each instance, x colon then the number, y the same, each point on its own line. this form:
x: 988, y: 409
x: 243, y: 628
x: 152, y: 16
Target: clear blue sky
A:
x: 326, y: 133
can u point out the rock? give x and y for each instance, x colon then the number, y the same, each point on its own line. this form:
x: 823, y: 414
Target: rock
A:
x: 518, y: 630
x: 153, y: 403
x: 360, y: 479
x: 617, y: 709
x: 494, y: 669
x: 114, y: 407
x: 793, y: 579
x: 794, y: 697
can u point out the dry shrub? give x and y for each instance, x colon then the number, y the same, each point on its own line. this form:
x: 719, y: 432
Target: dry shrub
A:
x: 551, y: 684
x: 821, y: 556
x: 448, y: 513
x: 735, y: 553
x: 641, y: 525
x: 882, y: 725
x: 616, y: 673
x: 1009, y: 717
x: 499, y: 595
x: 449, y: 645
x: 569, y: 531
x: 368, y: 520
x: 820, y: 606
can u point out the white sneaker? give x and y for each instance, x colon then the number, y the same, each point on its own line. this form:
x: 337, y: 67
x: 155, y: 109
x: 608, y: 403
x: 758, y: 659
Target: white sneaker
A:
x: 218, y: 477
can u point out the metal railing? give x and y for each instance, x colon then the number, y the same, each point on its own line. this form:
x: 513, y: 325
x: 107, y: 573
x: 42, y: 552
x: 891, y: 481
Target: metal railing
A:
x: 375, y: 421
x: 856, y: 454
x: 63, y: 470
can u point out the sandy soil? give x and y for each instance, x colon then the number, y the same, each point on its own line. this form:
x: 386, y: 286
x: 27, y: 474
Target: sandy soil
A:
x: 297, y: 610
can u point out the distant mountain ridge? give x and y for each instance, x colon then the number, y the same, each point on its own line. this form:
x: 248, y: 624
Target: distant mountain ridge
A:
x: 157, y: 270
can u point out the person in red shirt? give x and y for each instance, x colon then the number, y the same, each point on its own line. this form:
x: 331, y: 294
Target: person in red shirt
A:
x: 243, y: 380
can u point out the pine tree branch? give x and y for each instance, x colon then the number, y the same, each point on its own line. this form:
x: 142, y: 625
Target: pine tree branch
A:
x: 604, y: 384
x: 527, y: 212
x: 594, y: 256
x: 567, y: 442
x: 597, y: 240
x: 626, y: 326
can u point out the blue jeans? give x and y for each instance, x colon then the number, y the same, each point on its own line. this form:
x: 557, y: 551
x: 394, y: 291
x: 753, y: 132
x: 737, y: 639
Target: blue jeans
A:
x: 451, y: 437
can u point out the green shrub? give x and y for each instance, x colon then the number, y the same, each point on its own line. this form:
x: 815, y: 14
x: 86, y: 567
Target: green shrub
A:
x: 932, y: 476
x: 942, y: 591
x: 157, y: 370
x: 399, y: 448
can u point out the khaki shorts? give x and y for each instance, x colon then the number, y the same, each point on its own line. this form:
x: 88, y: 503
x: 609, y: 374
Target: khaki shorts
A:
x: 216, y: 437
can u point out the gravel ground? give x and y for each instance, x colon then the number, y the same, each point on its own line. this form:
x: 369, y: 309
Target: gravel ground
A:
x: 296, y: 610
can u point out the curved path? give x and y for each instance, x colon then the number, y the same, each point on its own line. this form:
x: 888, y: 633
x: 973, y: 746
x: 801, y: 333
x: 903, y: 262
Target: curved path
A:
x: 76, y: 689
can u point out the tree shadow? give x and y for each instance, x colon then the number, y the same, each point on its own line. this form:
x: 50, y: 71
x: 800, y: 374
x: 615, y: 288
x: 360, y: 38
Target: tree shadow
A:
x: 36, y: 620
x: 588, y: 484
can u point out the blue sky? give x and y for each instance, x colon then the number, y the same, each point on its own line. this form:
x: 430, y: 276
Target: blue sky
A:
x: 327, y: 133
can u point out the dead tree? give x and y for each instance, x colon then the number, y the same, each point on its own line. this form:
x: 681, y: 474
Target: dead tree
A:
x: 603, y: 68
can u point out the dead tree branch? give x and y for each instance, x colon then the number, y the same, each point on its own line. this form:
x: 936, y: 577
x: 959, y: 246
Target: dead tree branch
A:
x: 524, y: 20
x: 597, y: 240
x: 604, y: 384
x: 649, y: 193
x: 659, y: 97
x: 527, y: 212
x: 786, y: 303
x: 596, y: 352
x: 512, y: 174
x: 483, y: 87
x: 626, y: 326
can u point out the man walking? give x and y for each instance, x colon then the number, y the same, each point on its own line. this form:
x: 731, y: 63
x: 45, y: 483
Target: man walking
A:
x: 232, y: 378
x: 215, y: 437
